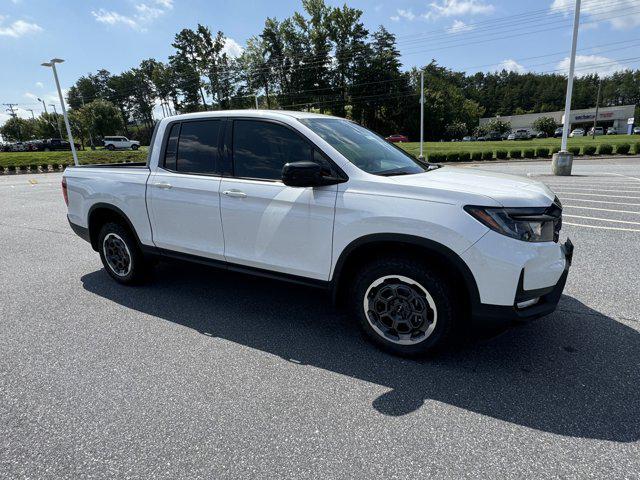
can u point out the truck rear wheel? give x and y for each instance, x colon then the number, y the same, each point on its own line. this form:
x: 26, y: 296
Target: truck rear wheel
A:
x: 111, y: 147
x: 120, y: 254
x: 403, y: 306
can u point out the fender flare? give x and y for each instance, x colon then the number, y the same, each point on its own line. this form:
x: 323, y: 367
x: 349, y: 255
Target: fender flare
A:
x: 439, y: 249
x: 114, y: 209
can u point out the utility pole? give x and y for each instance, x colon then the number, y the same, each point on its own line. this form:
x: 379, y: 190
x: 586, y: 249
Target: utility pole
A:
x: 595, y: 119
x: 563, y: 160
x: 421, y: 156
x: 13, y: 114
x: 52, y: 65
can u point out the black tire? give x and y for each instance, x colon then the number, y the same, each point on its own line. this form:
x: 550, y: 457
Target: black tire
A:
x: 430, y: 290
x: 111, y: 147
x: 115, y: 242
x: 135, y: 147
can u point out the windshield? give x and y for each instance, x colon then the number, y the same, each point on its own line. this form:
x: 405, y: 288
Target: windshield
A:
x: 365, y: 149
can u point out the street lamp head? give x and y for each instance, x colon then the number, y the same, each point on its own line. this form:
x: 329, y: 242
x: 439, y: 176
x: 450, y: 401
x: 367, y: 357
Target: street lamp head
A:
x: 57, y: 60
x: 47, y: 64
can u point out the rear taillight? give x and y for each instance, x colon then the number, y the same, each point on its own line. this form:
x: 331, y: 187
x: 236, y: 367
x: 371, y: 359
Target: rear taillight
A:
x: 64, y: 191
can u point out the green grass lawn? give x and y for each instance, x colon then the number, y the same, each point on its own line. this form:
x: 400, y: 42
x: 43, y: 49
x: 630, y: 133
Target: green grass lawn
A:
x: 447, y: 147
x: 64, y: 157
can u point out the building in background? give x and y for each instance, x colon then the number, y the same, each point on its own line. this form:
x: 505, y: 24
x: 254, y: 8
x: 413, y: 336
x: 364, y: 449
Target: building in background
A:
x: 607, y: 117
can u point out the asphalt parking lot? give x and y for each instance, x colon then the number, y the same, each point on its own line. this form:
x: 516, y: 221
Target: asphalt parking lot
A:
x: 208, y: 374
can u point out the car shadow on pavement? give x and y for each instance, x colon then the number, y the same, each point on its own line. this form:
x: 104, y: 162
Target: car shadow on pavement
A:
x: 574, y: 373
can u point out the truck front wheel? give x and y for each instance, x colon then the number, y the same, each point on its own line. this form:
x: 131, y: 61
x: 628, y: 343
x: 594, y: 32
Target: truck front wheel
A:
x: 403, y: 306
x: 120, y: 254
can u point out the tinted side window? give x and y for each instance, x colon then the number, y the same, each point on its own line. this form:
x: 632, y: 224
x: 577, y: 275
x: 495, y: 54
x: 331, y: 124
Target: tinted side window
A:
x: 261, y: 149
x: 198, y: 146
x: 172, y: 148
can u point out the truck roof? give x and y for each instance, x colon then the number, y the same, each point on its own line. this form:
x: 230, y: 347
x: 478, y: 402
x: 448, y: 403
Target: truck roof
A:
x: 251, y: 113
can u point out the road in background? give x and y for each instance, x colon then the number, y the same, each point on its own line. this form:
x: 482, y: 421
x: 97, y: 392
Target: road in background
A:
x: 203, y: 373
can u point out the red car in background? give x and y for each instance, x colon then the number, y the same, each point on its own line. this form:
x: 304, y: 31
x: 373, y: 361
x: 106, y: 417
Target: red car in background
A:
x: 397, y: 138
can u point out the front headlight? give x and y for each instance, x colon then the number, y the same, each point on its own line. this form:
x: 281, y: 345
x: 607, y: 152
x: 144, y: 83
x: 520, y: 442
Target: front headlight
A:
x: 526, y: 224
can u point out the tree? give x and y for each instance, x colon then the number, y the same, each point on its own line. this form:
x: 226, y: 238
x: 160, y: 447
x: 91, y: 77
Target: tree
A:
x: 48, y: 125
x: 101, y: 118
x: 456, y: 130
x: 545, y: 124
x: 497, y: 125
x: 17, y: 129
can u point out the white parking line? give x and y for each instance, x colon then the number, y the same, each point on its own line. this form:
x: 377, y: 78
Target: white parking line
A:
x: 603, y: 228
x: 599, y: 201
x: 596, y: 194
x: 591, y: 189
x: 600, y: 209
x: 601, y: 219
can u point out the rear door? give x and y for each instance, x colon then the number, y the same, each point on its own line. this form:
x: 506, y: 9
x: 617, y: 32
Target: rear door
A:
x: 266, y: 223
x: 183, y: 196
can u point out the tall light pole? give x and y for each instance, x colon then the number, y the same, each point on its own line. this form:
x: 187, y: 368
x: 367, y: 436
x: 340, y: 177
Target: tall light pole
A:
x: 563, y: 160
x: 44, y: 105
x: 33, y: 116
x: 421, y: 156
x: 52, y: 64
x: 55, y: 112
x: 595, y: 118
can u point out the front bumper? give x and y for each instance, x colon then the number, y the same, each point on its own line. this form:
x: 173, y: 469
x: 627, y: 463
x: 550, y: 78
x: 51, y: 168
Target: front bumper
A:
x: 548, y: 298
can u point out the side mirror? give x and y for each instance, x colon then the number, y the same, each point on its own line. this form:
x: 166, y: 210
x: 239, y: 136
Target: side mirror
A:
x: 302, y: 174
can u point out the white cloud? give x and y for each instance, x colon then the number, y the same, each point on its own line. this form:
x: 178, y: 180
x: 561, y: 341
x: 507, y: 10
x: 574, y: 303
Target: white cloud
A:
x: 145, y: 14
x: 39, y: 84
x: 511, y: 65
x: 459, y: 26
x: 167, y: 4
x: 232, y: 48
x: 19, y: 28
x: 113, y: 18
x: 604, y: 11
x: 586, y: 64
x: 457, y: 8
x: 406, y: 14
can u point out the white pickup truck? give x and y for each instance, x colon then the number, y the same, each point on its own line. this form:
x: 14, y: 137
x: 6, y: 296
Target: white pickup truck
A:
x: 415, y: 250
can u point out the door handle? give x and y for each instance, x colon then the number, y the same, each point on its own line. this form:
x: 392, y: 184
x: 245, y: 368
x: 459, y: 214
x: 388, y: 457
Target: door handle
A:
x: 234, y: 193
x: 162, y: 185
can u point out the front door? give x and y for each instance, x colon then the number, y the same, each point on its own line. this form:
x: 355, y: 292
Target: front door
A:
x: 183, y: 194
x: 266, y: 223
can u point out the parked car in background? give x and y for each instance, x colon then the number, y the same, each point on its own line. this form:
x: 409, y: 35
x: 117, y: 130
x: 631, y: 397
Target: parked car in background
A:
x: 636, y: 130
x: 120, y: 143
x: 612, y: 131
x: 598, y: 131
x: 541, y: 135
x: 519, y: 134
x: 468, y: 139
x: 52, y: 144
x: 558, y: 132
x: 493, y: 137
x: 397, y: 138
x: 413, y: 250
x: 577, y: 132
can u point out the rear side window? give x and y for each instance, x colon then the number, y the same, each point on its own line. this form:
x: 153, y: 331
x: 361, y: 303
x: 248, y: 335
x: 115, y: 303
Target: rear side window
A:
x: 260, y: 149
x: 198, y: 146
x: 171, y: 151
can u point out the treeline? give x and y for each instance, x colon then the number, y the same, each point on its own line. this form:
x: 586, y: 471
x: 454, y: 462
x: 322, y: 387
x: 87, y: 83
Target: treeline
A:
x: 326, y: 60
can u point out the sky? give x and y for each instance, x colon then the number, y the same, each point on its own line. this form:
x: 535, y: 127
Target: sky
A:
x: 465, y: 35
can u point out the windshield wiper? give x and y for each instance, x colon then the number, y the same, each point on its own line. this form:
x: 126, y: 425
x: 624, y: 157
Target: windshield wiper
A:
x: 392, y: 173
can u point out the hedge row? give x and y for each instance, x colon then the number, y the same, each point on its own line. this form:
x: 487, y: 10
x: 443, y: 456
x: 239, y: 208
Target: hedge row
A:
x: 540, y: 152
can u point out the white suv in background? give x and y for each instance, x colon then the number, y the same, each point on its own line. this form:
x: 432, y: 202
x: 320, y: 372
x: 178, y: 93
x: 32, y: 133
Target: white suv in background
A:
x: 120, y: 143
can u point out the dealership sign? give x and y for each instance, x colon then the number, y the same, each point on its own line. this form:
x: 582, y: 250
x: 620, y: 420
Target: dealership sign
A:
x: 583, y: 117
